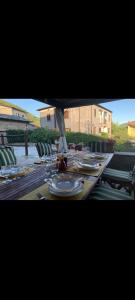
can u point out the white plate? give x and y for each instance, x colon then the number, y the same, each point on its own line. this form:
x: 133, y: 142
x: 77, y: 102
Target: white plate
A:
x: 88, y: 166
x: 66, y: 195
x: 65, y: 186
x: 91, y: 156
x: 64, y: 183
x: 11, y: 170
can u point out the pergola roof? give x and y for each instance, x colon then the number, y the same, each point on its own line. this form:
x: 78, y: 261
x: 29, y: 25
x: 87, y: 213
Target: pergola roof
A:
x: 45, y: 108
x: 73, y: 102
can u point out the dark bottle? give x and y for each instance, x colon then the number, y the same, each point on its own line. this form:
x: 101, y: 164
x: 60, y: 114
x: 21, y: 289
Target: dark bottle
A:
x: 65, y: 160
x: 62, y: 165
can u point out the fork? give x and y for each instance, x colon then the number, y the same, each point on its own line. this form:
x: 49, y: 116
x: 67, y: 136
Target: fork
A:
x: 41, y: 197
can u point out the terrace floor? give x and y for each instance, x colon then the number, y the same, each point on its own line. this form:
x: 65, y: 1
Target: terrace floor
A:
x: 26, y: 160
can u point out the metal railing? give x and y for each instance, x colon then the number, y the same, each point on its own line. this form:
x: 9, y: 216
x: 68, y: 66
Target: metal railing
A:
x: 26, y: 140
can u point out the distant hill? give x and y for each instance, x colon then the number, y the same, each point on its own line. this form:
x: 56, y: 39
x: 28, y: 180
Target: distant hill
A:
x: 125, y: 124
x: 33, y: 119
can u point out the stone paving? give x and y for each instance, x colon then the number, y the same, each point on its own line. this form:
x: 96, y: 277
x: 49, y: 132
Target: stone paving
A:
x: 26, y: 160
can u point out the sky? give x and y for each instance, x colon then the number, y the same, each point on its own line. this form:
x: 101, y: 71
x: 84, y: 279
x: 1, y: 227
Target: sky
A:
x: 122, y: 110
x: 28, y: 104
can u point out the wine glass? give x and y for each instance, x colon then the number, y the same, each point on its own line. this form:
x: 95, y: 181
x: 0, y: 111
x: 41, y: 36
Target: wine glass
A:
x: 5, y: 172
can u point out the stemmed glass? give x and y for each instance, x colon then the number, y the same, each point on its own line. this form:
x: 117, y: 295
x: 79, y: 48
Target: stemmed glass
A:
x: 5, y: 172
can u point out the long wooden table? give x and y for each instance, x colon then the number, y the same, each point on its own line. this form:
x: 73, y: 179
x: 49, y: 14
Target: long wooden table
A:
x: 17, y: 189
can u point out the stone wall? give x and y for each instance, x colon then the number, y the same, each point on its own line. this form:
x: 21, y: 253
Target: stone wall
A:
x: 4, y: 125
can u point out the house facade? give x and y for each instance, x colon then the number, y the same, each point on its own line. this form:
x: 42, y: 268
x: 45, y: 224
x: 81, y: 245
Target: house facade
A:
x: 13, y: 118
x: 131, y: 129
x: 12, y: 122
x: 11, y: 111
x: 92, y: 119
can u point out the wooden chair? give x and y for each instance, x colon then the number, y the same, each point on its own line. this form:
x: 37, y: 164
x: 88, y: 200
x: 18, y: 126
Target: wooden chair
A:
x: 71, y: 146
x: 103, y: 192
x: 119, y: 179
x: 101, y: 146
x: 79, y: 147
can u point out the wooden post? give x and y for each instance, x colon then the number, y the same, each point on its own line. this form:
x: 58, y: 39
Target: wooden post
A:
x: 26, y: 141
x: 2, y: 139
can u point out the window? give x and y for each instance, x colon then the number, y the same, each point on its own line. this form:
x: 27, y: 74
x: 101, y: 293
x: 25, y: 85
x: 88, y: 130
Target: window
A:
x: 94, y: 130
x: 105, y: 117
x: 66, y: 114
x: 48, y: 117
x: 95, y: 113
x: 100, y: 115
x: 109, y: 118
x: 99, y: 130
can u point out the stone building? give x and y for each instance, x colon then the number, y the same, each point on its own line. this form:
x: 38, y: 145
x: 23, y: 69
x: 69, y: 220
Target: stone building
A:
x: 131, y: 129
x: 11, y: 111
x: 12, y: 122
x: 13, y: 118
x: 92, y: 119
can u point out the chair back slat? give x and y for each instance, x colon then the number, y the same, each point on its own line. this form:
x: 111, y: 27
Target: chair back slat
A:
x: 7, y: 156
x: 101, y: 146
x: 44, y: 149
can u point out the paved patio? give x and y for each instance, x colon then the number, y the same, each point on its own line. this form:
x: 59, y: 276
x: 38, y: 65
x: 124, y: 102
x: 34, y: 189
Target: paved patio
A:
x: 26, y: 160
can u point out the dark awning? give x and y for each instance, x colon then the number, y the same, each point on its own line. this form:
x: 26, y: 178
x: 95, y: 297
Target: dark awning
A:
x: 70, y: 102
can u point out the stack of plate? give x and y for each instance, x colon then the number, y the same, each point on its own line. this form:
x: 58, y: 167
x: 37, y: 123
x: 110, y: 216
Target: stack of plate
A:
x: 94, y: 156
x: 90, y: 166
x: 65, y: 185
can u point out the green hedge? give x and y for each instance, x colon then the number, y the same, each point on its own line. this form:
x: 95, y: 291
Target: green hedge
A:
x: 15, y: 139
x: 77, y: 137
x: 124, y: 147
x: 45, y: 135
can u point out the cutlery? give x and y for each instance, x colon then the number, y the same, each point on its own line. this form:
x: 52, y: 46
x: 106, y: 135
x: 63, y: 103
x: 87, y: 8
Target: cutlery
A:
x: 40, y: 197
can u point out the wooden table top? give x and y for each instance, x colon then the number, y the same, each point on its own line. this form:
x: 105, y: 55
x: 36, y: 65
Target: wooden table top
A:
x: 17, y: 189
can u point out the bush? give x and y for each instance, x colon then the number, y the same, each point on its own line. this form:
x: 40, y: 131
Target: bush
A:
x: 43, y: 135
x: 16, y: 139
x: 124, y: 147
x: 104, y: 135
x: 78, y: 137
x: 49, y: 136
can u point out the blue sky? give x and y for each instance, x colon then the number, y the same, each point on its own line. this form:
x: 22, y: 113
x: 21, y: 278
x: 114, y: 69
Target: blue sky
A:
x: 123, y: 110
x: 28, y: 104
